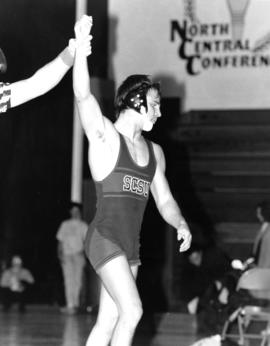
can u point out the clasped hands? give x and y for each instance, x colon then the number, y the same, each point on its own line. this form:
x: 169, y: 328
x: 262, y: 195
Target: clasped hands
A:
x: 83, y: 38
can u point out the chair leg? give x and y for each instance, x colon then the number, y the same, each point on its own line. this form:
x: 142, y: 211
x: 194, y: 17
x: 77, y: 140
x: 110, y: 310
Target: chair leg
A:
x: 240, y: 328
x: 224, y: 330
x: 266, y: 335
x: 230, y: 320
x: 263, y: 343
x: 240, y: 322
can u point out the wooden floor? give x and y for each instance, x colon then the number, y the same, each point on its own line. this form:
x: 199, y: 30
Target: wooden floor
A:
x: 46, y: 326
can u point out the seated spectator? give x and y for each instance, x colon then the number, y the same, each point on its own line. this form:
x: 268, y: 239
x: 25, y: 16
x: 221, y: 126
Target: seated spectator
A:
x: 261, y: 247
x: 260, y: 255
x: 14, y: 283
x: 206, y: 265
x: 220, y: 298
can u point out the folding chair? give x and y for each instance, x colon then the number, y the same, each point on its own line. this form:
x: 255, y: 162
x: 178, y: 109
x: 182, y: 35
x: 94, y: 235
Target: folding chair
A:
x: 257, y: 282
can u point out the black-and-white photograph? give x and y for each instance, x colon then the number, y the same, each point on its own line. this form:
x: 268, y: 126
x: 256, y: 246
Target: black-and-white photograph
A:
x: 135, y: 173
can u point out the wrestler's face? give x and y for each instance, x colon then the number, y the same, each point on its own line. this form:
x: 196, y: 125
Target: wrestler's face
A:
x: 153, y: 112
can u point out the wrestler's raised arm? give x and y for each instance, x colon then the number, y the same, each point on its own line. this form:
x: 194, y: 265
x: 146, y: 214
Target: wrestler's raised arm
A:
x: 91, y: 117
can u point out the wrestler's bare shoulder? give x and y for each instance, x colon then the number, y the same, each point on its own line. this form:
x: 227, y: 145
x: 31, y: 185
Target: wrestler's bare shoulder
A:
x: 103, y: 151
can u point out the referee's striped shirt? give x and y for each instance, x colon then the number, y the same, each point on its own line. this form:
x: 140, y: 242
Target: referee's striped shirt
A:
x: 4, y: 97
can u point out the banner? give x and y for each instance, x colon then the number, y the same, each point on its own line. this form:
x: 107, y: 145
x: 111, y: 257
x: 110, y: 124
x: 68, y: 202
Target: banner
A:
x: 139, y: 42
x: 214, y: 54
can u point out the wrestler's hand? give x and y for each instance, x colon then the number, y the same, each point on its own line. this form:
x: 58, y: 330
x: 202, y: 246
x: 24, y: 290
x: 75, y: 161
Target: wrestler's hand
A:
x: 83, y: 39
x: 184, y: 235
x: 83, y: 27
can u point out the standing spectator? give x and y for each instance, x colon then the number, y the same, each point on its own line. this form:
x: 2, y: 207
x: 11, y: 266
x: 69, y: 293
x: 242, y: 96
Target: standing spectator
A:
x: 260, y: 255
x: 70, y: 236
x: 14, y: 283
x: 261, y: 247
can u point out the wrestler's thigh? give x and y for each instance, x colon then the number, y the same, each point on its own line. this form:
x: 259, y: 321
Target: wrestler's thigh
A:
x: 107, y: 312
x: 118, y: 278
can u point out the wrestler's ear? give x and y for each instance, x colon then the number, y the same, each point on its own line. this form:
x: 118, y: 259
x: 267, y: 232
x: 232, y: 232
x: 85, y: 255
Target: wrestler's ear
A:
x: 143, y: 110
x: 143, y: 104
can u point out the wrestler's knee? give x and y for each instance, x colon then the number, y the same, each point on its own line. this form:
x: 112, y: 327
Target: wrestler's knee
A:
x: 131, y: 315
x: 107, y: 322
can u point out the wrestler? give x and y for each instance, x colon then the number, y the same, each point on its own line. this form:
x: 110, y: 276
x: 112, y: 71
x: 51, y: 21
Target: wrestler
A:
x: 43, y: 80
x: 125, y: 167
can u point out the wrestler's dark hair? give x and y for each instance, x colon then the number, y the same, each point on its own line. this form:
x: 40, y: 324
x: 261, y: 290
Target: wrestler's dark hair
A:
x: 265, y: 209
x: 132, y: 93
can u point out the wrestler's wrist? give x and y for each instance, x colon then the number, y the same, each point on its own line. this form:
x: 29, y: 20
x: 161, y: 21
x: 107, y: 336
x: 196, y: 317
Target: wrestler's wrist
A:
x: 182, y: 223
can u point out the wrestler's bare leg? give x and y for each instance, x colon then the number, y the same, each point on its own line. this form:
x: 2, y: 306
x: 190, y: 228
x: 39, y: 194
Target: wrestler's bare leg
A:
x: 102, y: 331
x: 120, y: 306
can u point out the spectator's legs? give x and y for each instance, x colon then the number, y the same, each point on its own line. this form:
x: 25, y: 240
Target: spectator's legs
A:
x: 68, y: 272
x: 78, y: 266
